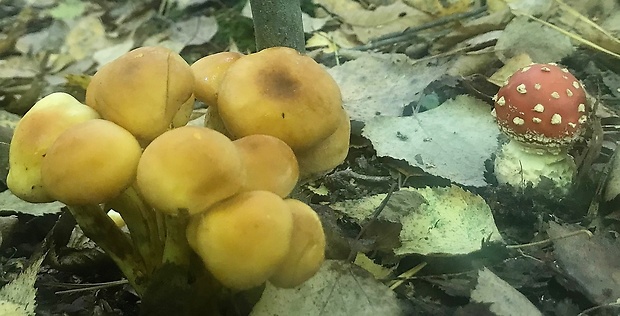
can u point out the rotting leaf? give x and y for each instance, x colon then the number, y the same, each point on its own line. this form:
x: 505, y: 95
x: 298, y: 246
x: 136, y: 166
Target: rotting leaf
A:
x: 591, y: 262
x: 339, y: 288
x: 374, y: 85
x: 18, y: 296
x: 542, y: 43
x: 370, y: 24
x: 434, y: 220
x: 452, y: 141
x: 503, y: 299
x: 9, y: 202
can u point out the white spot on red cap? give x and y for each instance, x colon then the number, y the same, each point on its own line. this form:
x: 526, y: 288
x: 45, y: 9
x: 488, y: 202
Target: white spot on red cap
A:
x: 518, y: 121
x: 556, y: 119
x: 555, y: 95
x: 569, y: 93
x: 501, y: 101
x: 521, y: 89
x: 536, y: 120
x: 581, y: 108
x: 539, y: 108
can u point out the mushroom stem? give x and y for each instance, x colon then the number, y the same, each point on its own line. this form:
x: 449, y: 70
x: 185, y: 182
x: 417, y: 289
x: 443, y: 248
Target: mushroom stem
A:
x: 520, y: 165
x: 278, y: 23
x: 99, y: 227
x: 142, y: 224
x: 176, y: 249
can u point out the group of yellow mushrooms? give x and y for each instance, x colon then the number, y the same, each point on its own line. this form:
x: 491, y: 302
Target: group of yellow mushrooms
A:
x: 274, y: 117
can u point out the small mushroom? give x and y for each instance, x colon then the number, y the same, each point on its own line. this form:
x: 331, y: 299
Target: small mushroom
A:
x: 328, y: 153
x: 244, y: 239
x: 189, y: 169
x: 208, y: 74
x: 281, y: 93
x: 307, y: 251
x: 269, y: 164
x: 33, y: 136
x: 542, y: 109
x: 142, y: 90
x: 90, y: 163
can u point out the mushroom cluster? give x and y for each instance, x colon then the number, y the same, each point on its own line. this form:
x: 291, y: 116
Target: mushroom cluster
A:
x: 282, y: 93
x: 542, y: 108
x: 129, y: 149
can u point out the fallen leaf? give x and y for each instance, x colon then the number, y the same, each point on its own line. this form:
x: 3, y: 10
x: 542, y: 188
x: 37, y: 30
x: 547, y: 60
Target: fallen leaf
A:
x: 10, y: 202
x: 543, y: 44
x: 339, y: 288
x: 591, y: 262
x: 452, y: 141
x: 501, y: 298
x: 376, y: 84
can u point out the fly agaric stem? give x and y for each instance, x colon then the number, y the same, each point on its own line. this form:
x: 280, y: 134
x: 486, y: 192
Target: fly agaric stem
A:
x: 278, y: 23
x: 100, y: 228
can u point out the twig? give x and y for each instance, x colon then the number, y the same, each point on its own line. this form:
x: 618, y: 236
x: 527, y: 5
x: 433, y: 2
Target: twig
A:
x: 397, y: 37
x: 92, y: 286
x: 548, y: 240
x: 373, y: 218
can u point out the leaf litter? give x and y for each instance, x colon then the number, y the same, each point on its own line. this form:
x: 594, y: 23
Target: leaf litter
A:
x: 422, y: 104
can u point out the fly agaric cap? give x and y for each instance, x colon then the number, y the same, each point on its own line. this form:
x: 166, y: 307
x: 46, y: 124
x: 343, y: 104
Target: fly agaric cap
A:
x: 189, y: 168
x: 307, y: 251
x: 328, y: 153
x: 281, y: 93
x: 208, y: 74
x: 33, y: 136
x: 269, y: 164
x: 242, y: 240
x: 542, y: 105
x: 142, y: 90
x: 90, y: 163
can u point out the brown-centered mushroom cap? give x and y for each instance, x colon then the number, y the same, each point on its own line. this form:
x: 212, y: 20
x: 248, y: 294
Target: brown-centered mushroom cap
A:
x: 281, y: 93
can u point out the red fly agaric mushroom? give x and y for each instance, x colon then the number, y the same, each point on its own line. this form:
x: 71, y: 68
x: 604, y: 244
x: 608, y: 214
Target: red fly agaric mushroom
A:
x: 281, y: 93
x: 542, y: 108
x: 269, y: 164
x: 90, y: 163
x: 33, y: 136
x: 142, y: 90
x: 189, y: 168
x: 242, y: 240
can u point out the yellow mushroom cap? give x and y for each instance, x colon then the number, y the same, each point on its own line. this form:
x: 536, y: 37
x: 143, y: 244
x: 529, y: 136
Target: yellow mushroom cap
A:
x: 189, y: 168
x: 208, y: 74
x: 307, y: 250
x: 142, y: 90
x: 90, y: 163
x: 269, y: 164
x: 328, y: 153
x: 281, y: 93
x: 34, y: 134
x: 243, y: 240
